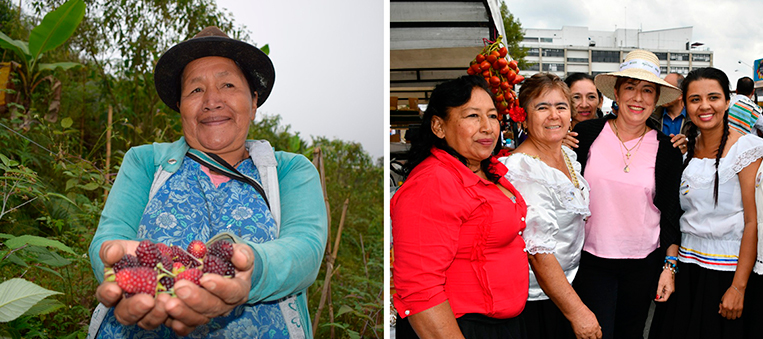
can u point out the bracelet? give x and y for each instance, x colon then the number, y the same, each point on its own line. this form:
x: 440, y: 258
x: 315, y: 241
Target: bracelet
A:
x: 670, y: 267
x: 736, y: 289
x: 671, y: 258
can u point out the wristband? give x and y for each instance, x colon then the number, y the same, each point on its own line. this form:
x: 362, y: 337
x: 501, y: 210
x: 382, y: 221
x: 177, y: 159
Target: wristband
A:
x: 670, y: 267
x: 671, y: 258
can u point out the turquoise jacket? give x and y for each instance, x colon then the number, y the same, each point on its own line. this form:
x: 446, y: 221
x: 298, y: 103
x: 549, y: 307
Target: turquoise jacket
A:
x: 282, y: 267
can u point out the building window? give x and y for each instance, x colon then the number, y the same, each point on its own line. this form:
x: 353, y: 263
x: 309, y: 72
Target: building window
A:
x: 661, y: 56
x: 663, y: 69
x: 700, y: 57
x: 528, y: 39
x: 605, y: 56
x: 553, y: 52
x: 597, y: 73
x: 534, y: 68
x: 533, y: 52
x: 546, y: 39
x: 679, y: 56
x: 680, y: 70
x: 552, y: 67
x: 577, y: 60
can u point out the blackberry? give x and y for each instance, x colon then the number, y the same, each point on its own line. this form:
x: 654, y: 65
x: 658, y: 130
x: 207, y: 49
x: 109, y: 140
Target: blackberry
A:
x: 167, y: 283
x: 213, y: 264
x: 222, y: 249
x: 128, y: 260
x: 148, y: 254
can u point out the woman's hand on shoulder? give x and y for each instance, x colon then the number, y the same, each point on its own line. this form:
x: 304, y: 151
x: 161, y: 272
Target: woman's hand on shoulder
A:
x: 570, y: 140
x: 140, y: 309
x: 679, y: 141
x: 217, y: 295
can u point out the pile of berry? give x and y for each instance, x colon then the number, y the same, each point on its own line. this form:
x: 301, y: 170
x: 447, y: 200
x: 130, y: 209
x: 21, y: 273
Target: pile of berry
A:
x: 156, y: 267
x: 502, y: 73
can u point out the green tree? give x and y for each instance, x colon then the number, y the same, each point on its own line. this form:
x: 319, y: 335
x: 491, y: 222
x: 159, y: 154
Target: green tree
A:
x: 514, y: 35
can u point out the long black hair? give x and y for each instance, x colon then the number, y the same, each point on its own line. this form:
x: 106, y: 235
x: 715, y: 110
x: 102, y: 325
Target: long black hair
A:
x: 445, y: 96
x: 709, y: 73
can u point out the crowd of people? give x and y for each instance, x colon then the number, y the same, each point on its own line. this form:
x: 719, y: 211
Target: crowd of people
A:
x: 593, y: 219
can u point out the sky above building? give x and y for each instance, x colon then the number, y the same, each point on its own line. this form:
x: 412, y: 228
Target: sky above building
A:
x: 729, y: 28
x: 328, y: 57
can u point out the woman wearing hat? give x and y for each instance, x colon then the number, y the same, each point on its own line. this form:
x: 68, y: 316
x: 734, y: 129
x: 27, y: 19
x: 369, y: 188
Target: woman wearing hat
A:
x: 214, y: 181
x: 634, y: 173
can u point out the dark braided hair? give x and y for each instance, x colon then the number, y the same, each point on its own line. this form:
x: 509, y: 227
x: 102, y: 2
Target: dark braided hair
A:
x: 445, y: 96
x: 708, y: 73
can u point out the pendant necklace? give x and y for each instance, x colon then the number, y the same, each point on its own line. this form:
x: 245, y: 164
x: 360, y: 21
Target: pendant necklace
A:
x: 627, y: 156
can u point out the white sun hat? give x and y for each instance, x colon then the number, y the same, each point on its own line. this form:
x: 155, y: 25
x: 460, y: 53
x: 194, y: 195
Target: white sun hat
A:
x: 641, y: 65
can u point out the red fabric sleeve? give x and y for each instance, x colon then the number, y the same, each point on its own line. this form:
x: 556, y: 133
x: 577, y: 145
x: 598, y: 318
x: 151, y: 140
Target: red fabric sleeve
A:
x: 426, y: 214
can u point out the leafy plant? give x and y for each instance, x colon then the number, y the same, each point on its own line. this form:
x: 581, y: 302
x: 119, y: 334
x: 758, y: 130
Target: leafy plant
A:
x: 56, y: 27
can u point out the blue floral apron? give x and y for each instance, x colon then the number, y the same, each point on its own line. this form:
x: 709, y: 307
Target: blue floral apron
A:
x: 189, y: 207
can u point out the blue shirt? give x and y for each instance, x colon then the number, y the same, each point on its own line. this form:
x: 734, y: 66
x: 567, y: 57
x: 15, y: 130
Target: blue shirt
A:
x: 671, y: 126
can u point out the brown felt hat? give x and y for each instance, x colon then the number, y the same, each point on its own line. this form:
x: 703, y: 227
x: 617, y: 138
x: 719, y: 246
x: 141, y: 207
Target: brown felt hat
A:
x: 211, y: 41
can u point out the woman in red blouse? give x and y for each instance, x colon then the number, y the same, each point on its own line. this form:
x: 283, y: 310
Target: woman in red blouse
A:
x: 460, y: 270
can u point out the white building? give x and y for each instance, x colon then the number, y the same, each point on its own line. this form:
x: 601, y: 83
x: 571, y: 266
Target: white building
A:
x: 577, y: 49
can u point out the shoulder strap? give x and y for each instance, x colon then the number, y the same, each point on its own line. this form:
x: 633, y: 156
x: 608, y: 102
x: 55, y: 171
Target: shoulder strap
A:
x: 218, y: 164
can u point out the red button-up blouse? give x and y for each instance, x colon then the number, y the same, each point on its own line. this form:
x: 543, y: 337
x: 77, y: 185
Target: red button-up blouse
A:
x: 457, y: 237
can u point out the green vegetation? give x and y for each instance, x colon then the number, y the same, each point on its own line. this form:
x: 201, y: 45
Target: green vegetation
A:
x: 55, y: 170
x: 514, y: 35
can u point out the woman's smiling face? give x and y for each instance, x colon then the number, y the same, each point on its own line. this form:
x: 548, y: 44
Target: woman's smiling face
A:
x: 216, y: 105
x: 585, y: 99
x: 470, y: 129
x: 636, y: 100
x: 706, y: 103
x: 548, y: 116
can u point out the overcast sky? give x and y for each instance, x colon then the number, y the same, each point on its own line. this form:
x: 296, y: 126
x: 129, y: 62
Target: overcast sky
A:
x: 328, y: 57
x: 731, y: 29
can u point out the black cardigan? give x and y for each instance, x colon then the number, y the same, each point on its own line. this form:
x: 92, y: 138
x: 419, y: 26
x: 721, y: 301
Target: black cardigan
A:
x: 667, y: 175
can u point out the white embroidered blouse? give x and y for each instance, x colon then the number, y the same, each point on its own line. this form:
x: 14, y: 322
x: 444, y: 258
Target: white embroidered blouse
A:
x: 711, y: 235
x: 556, y: 212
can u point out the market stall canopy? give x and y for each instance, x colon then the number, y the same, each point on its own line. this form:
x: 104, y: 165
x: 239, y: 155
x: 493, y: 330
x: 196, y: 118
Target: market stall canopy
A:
x: 434, y: 41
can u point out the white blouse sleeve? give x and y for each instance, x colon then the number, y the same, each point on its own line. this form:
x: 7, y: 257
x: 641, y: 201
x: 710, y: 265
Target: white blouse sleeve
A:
x: 525, y: 173
x: 540, y: 232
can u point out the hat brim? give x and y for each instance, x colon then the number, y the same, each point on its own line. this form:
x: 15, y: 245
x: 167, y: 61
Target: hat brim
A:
x: 606, y: 84
x: 255, y: 64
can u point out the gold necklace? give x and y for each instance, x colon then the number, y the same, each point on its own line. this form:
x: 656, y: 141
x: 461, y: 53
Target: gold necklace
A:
x: 627, y: 155
x: 571, y: 170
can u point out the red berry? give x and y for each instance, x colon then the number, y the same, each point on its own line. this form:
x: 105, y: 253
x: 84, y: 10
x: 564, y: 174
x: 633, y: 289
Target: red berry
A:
x: 222, y: 249
x: 128, y: 260
x: 164, y: 249
x: 178, y: 255
x: 166, y: 262
x: 148, y: 254
x: 136, y: 280
x: 213, y: 264
x: 193, y: 275
x: 197, y: 249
